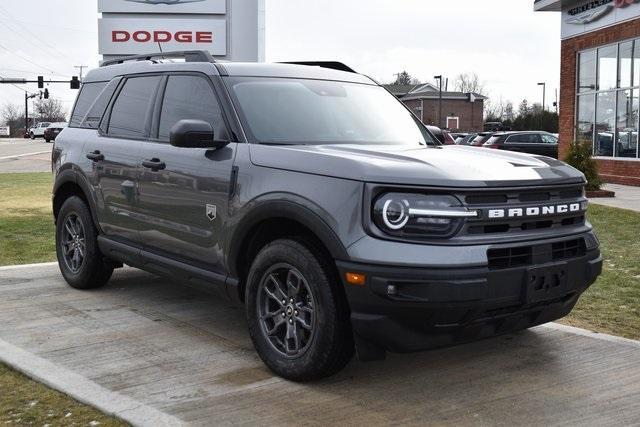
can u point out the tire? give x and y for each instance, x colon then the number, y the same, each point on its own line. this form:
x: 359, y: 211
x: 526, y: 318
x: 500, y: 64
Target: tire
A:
x: 318, y: 302
x: 32, y: 136
x: 47, y: 140
x: 85, y: 267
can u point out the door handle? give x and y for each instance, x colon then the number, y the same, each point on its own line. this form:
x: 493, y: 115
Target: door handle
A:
x: 96, y: 156
x: 154, y: 164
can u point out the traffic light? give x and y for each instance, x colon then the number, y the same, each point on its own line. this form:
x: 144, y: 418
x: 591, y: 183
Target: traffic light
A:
x: 46, y: 94
x: 40, y: 82
x: 75, y: 82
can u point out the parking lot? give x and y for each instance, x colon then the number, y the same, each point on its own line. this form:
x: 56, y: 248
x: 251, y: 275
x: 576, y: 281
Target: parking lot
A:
x: 25, y: 155
x: 155, y: 353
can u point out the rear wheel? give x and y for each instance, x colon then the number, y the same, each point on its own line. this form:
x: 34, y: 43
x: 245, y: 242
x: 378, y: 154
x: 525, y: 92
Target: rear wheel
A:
x: 81, y: 263
x: 298, y: 316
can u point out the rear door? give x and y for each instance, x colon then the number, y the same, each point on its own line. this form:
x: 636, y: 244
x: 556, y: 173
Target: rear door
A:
x: 184, y: 199
x: 116, y: 156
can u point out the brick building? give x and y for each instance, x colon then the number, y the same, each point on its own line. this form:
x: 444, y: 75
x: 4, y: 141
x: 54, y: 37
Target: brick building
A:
x: 462, y: 112
x: 600, y: 81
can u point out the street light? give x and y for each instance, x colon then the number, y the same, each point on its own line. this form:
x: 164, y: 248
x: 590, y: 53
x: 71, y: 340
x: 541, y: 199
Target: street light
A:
x: 439, y: 78
x: 544, y: 95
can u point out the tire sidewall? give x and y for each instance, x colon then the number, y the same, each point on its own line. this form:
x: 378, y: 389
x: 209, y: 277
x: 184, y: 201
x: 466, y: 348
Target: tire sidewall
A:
x: 290, y: 252
x: 75, y: 206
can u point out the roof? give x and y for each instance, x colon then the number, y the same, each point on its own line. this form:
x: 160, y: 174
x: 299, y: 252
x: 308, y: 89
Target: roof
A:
x: 234, y: 69
x: 429, y: 94
x: 399, y: 90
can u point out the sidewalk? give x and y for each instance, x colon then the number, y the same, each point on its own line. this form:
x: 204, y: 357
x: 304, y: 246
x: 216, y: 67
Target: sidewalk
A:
x: 627, y: 197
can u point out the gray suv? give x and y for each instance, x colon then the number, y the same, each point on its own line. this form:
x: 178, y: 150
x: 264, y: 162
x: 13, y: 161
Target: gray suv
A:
x: 314, y: 197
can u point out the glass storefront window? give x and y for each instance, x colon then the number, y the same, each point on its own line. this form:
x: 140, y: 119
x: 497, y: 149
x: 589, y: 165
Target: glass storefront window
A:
x: 607, y: 102
x: 587, y: 71
x: 605, y: 122
x: 608, y: 67
x: 627, y: 124
x: 586, y: 110
x: 626, y: 56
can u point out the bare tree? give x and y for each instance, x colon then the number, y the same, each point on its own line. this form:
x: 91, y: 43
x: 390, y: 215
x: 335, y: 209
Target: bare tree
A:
x: 13, y: 117
x: 404, y: 78
x: 50, y: 110
x: 468, y: 83
x: 494, y: 110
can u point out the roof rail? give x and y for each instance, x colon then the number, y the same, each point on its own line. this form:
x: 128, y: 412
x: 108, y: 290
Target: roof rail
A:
x: 333, y: 65
x: 188, y: 55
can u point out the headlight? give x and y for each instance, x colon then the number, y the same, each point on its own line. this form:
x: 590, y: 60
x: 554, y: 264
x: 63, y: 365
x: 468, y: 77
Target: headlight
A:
x: 419, y: 215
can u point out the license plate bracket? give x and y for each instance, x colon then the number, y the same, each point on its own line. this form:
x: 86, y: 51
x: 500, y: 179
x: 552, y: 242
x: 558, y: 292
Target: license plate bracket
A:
x: 546, y: 283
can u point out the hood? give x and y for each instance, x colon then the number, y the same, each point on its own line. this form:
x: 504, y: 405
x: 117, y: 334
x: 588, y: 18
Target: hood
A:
x: 445, y: 166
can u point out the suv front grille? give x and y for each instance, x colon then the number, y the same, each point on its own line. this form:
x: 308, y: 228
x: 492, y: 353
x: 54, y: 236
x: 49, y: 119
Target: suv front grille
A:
x: 514, y: 198
x: 522, y: 256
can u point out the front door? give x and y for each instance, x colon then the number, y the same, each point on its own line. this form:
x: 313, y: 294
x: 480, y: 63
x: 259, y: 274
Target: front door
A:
x: 116, y: 155
x: 184, y: 192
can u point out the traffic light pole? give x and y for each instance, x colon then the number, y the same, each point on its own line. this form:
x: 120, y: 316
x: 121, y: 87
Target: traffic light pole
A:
x: 74, y: 84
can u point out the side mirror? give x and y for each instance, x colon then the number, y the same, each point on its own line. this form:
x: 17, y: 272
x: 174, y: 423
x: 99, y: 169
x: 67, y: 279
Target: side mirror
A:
x: 194, y: 134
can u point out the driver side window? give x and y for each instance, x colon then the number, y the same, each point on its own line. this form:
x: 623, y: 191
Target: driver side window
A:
x: 190, y: 97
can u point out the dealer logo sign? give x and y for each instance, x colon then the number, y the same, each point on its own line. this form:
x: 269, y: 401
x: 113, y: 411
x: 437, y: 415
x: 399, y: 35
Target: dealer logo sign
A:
x: 594, y: 10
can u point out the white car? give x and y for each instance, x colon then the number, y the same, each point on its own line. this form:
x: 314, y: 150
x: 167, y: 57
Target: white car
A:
x: 38, y: 130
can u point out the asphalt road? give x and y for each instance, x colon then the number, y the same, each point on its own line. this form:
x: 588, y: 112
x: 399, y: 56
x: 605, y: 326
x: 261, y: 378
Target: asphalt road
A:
x: 144, y: 348
x: 25, y: 155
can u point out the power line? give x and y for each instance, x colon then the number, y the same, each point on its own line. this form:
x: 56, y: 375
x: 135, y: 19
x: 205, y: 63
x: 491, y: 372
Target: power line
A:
x: 44, y: 42
x: 27, y: 60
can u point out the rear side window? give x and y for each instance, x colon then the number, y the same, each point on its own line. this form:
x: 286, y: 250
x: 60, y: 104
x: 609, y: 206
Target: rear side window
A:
x: 93, y: 117
x: 190, y: 97
x: 526, y: 138
x: 549, y: 139
x: 86, y: 98
x: 129, y: 113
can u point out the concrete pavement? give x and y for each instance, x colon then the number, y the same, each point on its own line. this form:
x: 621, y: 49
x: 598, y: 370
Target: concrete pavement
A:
x: 25, y: 155
x: 627, y: 197
x: 178, y: 352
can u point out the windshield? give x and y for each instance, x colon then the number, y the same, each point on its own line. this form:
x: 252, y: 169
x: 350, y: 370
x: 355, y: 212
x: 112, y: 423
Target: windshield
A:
x: 298, y: 111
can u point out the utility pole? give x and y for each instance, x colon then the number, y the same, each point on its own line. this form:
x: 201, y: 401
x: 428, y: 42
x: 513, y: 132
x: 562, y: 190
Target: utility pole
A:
x: 439, y: 78
x: 544, y: 95
x: 81, y: 68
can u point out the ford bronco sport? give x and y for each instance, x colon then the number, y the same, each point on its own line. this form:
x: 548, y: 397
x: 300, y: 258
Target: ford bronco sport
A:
x: 313, y: 196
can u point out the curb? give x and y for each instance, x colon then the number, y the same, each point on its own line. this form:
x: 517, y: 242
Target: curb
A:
x: 83, y: 389
x: 591, y: 334
x: 19, y: 266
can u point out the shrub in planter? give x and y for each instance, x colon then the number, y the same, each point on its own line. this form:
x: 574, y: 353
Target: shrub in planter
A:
x: 580, y: 157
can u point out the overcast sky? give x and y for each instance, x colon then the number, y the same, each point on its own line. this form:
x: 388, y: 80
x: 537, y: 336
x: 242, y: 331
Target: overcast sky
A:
x: 509, y: 46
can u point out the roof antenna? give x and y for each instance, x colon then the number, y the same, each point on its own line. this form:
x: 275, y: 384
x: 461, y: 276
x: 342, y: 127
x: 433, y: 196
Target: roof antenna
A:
x: 160, y: 47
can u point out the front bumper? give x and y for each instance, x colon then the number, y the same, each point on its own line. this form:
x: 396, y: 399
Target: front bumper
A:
x: 404, y: 309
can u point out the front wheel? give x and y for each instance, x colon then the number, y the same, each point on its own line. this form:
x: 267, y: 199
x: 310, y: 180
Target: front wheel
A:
x: 32, y: 135
x: 297, y: 313
x: 81, y: 263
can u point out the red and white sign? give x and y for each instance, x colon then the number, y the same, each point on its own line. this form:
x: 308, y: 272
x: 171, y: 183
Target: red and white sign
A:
x: 130, y: 36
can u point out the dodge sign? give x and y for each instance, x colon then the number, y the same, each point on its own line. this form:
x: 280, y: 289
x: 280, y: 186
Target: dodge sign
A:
x: 124, y: 36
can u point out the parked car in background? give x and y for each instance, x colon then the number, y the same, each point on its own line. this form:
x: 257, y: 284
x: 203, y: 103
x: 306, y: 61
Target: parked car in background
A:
x: 465, y: 140
x: 53, y: 130
x: 37, y: 130
x: 480, y: 139
x: 493, y: 126
x: 443, y: 136
x: 541, y: 143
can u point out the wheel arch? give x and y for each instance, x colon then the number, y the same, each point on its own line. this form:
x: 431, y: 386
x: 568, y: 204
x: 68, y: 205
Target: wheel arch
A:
x: 276, y: 219
x: 70, y: 183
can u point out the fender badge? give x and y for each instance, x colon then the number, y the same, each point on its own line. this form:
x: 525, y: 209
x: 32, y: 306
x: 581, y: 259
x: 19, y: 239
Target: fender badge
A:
x: 211, y: 212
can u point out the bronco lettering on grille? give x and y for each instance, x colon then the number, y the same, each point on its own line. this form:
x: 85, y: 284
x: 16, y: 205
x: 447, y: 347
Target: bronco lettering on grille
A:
x: 535, y: 211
